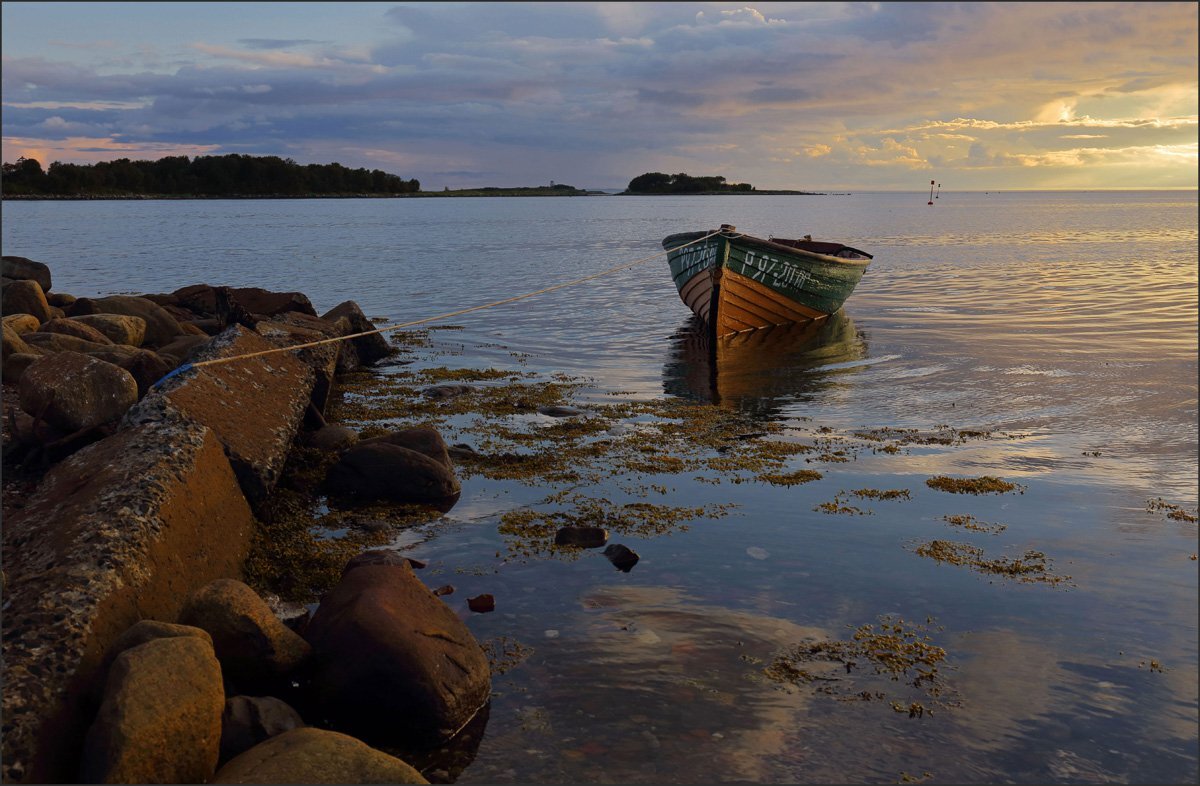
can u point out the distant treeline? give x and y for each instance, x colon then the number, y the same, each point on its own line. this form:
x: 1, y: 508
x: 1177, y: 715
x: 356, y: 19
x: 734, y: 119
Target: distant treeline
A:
x: 659, y: 183
x: 228, y: 175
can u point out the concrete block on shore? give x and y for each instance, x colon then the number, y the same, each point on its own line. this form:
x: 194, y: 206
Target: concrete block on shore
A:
x: 121, y: 531
x: 254, y: 405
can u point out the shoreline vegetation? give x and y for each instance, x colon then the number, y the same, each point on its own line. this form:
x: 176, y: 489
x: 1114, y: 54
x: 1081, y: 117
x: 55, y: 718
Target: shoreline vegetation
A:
x: 236, y: 176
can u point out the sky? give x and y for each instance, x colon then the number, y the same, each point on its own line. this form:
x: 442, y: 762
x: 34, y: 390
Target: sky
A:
x: 809, y: 96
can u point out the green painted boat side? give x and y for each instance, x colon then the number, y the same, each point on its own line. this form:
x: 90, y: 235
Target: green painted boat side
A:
x: 816, y: 281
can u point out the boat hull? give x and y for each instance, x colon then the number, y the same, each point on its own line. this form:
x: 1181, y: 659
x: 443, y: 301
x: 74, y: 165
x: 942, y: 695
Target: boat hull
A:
x: 737, y: 283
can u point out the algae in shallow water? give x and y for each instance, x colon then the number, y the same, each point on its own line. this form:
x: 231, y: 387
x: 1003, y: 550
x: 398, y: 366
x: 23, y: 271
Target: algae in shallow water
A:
x: 986, y: 484
x: 1032, y: 567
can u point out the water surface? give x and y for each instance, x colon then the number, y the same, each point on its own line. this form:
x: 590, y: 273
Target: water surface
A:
x: 1063, y: 325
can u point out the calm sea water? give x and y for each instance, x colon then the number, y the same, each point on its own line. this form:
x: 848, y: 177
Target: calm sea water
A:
x: 1065, y: 322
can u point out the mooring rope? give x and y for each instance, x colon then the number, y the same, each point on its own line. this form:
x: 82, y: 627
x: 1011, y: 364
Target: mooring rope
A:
x: 295, y: 347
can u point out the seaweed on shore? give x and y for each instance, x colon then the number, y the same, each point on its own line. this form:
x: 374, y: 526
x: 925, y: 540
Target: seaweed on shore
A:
x: 1032, y: 567
x: 986, y: 484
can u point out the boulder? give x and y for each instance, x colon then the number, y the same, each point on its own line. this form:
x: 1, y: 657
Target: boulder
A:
x: 60, y: 342
x: 15, y: 365
x: 70, y: 327
x: 389, y: 655
x: 267, y: 303
x: 160, y: 721
x: 20, y: 268
x: 28, y: 431
x: 183, y: 348
x: 249, y: 720
x: 161, y: 327
x: 369, y: 348
x: 25, y: 297
x: 333, y: 437
x: 622, y: 557
x: 73, y: 391
x: 119, y: 328
x: 381, y: 557
x: 14, y: 344
x: 384, y: 471
x: 144, y: 365
x: 60, y: 299
x: 316, y: 756
x: 254, y: 647
x: 423, y: 439
x: 139, y: 633
x: 21, y: 323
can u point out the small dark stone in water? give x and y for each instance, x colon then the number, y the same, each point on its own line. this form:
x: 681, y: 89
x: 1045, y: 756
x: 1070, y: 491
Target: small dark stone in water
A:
x: 622, y: 557
x: 584, y: 537
x: 445, y: 391
x: 445, y: 589
x: 482, y: 603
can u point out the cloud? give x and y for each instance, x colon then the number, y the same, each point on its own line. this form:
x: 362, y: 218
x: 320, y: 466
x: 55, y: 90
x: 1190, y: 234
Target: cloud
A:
x: 279, y: 43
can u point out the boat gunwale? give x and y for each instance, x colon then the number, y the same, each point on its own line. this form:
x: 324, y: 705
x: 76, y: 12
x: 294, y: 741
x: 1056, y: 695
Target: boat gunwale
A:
x: 778, y: 248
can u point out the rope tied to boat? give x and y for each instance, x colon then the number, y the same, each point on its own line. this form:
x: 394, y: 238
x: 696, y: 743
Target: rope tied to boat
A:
x: 296, y: 347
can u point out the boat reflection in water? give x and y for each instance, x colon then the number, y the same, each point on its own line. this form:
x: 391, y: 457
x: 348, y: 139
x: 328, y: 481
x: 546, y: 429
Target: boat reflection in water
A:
x: 760, y: 371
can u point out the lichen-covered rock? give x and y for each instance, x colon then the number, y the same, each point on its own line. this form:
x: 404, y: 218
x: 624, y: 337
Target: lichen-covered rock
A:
x: 254, y: 647
x: 71, y: 327
x: 60, y: 300
x: 122, y: 530
x: 383, y: 471
x: 25, y: 297
x: 254, y: 405
x: 249, y: 720
x: 22, y: 268
x: 160, y: 721
x: 316, y: 756
x: 73, y: 391
x: 119, y: 328
x: 388, y: 654
x: 141, y: 632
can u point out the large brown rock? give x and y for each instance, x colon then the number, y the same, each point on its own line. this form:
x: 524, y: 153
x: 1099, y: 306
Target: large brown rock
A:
x: 21, y: 323
x: 370, y: 348
x: 254, y: 405
x: 119, y: 328
x: 294, y: 328
x: 15, y: 365
x: 161, y: 327
x: 141, y: 632
x: 388, y: 654
x: 144, y: 365
x: 423, y: 439
x: 121, y: 531
x: 71, y: 391
x: 209, y: 300
x: 316, y: 756
x: 14, y: 344
x: 160, y: 721
x: 383, y: 471
x: 254, y: 647
x: 25, y: 297
x: 59, y: 342
x: 26, y: 269
x: 71, y: 327
x: 183, y: 348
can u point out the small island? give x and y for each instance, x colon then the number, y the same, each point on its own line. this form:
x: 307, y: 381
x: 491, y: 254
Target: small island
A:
x: 237, y: 176
x: 682, y: 183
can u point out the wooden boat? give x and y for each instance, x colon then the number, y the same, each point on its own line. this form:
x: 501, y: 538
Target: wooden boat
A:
x: 736, y: 282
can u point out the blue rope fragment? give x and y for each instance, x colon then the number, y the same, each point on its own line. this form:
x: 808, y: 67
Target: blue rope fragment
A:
x: 180, y: 370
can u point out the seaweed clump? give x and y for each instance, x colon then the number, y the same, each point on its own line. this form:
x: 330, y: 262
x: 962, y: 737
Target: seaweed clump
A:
x: 986, y: 484
x: 1032, y: 567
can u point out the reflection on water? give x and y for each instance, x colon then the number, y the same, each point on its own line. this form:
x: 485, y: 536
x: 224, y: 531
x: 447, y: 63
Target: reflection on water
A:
x: 762, y: 371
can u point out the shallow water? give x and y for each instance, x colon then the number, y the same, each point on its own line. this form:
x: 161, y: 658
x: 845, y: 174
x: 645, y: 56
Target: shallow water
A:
x: 1065, y: 324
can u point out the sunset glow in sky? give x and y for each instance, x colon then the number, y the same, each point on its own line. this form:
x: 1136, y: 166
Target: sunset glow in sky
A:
x: 819, y: 96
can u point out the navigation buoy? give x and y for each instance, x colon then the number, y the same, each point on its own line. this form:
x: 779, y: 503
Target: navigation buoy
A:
x: 931, y: 182
x: 939, y: 193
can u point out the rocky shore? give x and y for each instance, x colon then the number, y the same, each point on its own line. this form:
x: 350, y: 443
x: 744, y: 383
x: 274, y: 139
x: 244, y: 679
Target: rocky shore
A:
x: 133, y: 651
